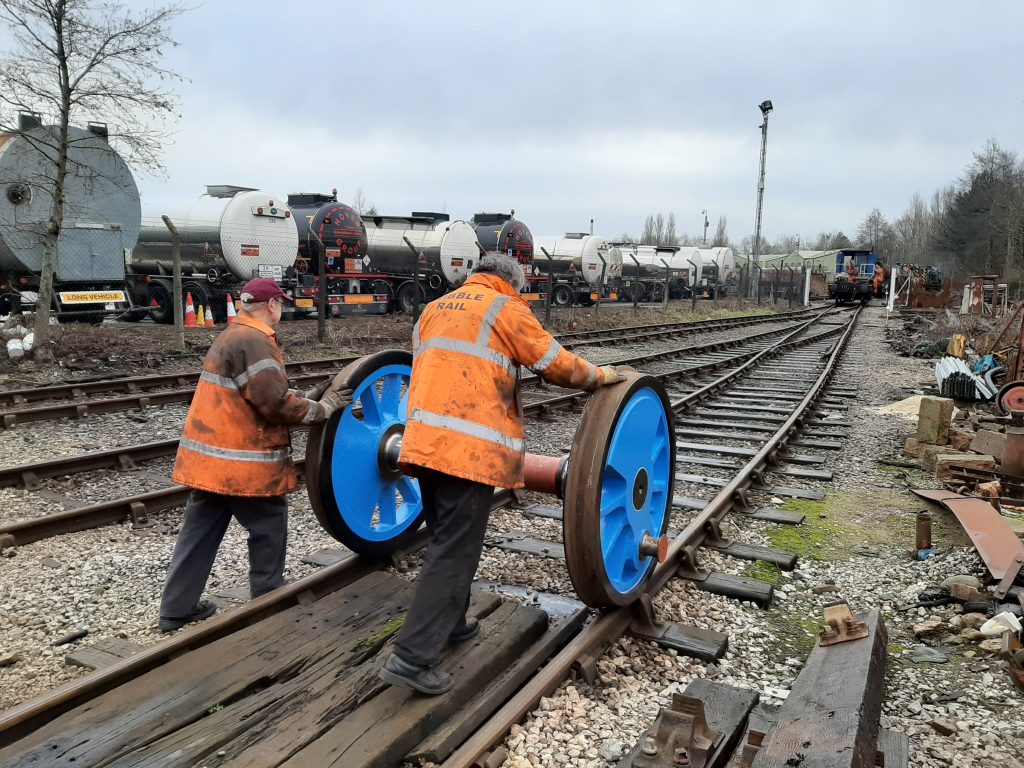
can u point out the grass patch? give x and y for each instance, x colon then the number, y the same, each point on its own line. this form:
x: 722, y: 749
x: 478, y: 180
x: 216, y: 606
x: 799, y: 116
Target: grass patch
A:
x: 389, y: 629
x: 763, y: 571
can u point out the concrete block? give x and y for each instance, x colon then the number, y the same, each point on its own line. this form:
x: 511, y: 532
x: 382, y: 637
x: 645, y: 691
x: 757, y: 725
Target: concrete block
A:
x: 989, y: 442
x: 933, y: 420
x: 928, y: 454
x: 943, y: 461
x: 960, y: 440
x: 912, y: 447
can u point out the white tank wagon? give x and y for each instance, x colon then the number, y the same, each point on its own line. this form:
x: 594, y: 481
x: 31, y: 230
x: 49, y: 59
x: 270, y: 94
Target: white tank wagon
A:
x: 723, y: 257
x: 101, y: 220
x: 449, y: 248
x: 228, y: 236
x: 649, y: 270
x: 579, y: 255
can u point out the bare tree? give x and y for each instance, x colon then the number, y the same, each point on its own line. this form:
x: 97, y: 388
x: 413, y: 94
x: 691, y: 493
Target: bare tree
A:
x: 363, y: 206
x: 721, y: 236
x: 669, y: 237
x: 74, y: 61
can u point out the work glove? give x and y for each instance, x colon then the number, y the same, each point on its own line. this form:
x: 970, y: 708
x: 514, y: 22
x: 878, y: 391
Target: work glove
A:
x: 608, y: 374
x: 316, y: 392
x: 335, y: 400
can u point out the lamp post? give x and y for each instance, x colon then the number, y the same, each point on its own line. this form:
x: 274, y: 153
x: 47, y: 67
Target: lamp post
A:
x: 705, y: 212
x: 765, y: 107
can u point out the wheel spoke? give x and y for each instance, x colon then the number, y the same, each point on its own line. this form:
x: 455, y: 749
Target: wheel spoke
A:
x: 371, y: 405
x: 391, y: 396
x: 388, y: 507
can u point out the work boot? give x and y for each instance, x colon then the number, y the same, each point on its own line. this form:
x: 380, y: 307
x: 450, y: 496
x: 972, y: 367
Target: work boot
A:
x: 470, y: 629
x: 397, y: 671
x: 204, y: 609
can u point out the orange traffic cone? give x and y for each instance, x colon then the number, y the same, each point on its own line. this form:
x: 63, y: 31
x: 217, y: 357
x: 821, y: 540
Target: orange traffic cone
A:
x: 231, y: 309
x: 209, y: 317
x: 201, y: 318
x: 190, y: 312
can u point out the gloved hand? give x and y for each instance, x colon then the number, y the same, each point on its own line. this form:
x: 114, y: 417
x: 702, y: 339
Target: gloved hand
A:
x: 608, y: 374
x: 335, y: 400
x: 316, y: 392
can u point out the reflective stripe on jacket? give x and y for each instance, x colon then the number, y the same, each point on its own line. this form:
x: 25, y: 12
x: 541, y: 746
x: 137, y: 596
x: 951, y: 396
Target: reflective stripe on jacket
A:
x: 236, y: 440
x: 464, y: 417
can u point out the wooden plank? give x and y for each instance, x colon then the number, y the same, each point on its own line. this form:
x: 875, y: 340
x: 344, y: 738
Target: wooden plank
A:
x: 727, y: 450
x: 520, y: 542
x: 444, y: 740
x: 714, y: 482
x: 761, y: 718
x: 185, y: 691
x: 792, y: 493
x: 802, y: 458
x: 810, y: 442
x: 780, y: 557
x: 705, y: 461
x: 703, y: 644
x: 737, y: 587
x: 102, y: 654
x: 752, y: 437
x: 542, y: 510
x: 830, y: 718
x: 780, y: 516
x: 894, y: 747
x: 726, y: 709
x: 802, y: 472
x: 384, y: 729
x: 326, y: 556
x: 716, y: 424
x: 687, y: 502
x: 270, y: 720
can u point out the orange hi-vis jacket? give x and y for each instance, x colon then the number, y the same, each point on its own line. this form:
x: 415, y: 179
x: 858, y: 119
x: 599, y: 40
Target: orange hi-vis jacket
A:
x: 236, y: 440
x: 464, y: 412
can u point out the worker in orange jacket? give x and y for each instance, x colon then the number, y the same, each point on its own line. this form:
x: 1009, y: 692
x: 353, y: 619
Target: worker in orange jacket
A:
x: 235, y: 453
x: 464, y: 437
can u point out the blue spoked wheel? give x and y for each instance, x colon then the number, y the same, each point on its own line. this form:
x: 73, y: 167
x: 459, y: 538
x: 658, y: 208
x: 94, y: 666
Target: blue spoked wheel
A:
x: 357, y: 491
x: 618, y: 489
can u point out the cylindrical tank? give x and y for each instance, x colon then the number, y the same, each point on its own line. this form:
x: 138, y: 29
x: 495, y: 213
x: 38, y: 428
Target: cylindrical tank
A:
x: 723, y: 257
x: 578, y: 255
x: 501, y: 232
x: 646, y: 265
x: 238, y: 230
x: 338, y: 226
x: 450, y: 247
x: 101, y: 208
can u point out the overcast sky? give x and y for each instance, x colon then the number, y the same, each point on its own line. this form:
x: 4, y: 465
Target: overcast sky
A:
x: 567, y: 111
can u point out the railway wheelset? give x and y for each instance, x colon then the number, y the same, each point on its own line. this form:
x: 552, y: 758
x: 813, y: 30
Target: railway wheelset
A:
x: 616, y: 483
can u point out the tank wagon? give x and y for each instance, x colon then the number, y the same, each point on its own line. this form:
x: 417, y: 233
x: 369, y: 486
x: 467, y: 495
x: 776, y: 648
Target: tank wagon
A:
x: 647, y: 273
x: 228, y: 236
x: 449, y: 250
x: 579, y: 276
x: 101, y: 221
x: 336, y: 232
x: 502, y: 232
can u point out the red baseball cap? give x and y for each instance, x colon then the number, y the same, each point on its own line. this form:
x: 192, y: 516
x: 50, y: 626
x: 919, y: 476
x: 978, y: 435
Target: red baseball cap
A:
x: 262, y: 289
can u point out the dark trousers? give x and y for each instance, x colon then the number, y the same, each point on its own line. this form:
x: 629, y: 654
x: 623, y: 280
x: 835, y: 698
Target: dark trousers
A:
x: 456, y: 513
x: 206, y: 519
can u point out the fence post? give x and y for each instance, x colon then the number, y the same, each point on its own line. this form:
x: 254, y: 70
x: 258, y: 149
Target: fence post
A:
x: 179, y: 319
x: 551, y: 286
x: 693, y: 290
x: 600, y: 287
x: 791, y: 286
x: 636, y: 284
x: 668, y: 276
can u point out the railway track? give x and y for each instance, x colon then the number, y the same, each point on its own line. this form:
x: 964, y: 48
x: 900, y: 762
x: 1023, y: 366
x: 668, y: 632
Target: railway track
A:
x: 673, y: 365
x: 139, y: 392
x: 756, y: 418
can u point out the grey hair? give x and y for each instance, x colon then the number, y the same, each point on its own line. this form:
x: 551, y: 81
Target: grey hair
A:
x: 505, y: 267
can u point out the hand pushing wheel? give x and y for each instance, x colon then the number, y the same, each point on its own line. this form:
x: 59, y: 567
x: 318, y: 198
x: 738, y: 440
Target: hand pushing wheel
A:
x: 616, y: 482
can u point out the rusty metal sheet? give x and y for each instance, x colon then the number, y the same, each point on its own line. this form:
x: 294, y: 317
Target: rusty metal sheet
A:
x: 991, y: 535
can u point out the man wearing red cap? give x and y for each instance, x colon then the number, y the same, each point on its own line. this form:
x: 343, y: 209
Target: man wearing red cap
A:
x: 235, y: 453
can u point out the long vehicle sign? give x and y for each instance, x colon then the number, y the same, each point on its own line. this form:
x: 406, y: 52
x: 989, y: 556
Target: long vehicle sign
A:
x: 92, y: 297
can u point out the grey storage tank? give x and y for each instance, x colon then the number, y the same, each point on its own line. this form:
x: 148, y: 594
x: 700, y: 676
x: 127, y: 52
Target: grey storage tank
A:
x: 101, y: 215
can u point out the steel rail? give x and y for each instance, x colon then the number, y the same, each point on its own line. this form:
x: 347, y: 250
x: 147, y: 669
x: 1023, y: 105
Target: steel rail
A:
x: 132, y: 384
x: 644, y: 332
x: 611, y: 624
x: 22, y: 719
x: 28, y: 475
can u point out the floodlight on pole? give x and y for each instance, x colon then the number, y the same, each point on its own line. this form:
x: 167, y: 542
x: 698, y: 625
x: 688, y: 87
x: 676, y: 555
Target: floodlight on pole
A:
x: 765, y: 107
x: 705, y: 213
